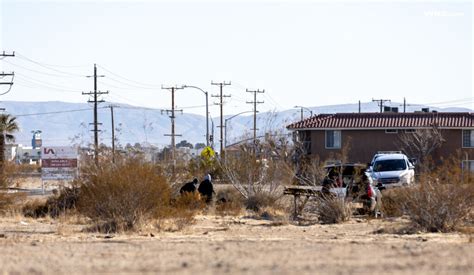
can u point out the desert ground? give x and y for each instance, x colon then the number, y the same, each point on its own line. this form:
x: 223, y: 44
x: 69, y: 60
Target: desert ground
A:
x: 244, y: 244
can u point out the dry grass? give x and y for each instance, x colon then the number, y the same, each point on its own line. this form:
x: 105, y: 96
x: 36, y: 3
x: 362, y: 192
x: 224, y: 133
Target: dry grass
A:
x: 259, y: 201
x: 392, y: 202
x: 54, y: 206
x: 229, y: 202
x: 10, y: 201
x: 333, y: 210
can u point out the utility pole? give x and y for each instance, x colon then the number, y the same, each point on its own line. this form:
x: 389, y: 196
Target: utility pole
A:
x: 221, y: 103
x: 3, y: 74
x: 172, y: 117
x: 381, y: 102
x: 95, y: 100
x: 404, y: 105
x: 255, y: 102
x: 359, y: 106
x: 113, y: 131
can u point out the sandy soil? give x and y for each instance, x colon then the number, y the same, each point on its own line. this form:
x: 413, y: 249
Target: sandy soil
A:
x: 215, y: 245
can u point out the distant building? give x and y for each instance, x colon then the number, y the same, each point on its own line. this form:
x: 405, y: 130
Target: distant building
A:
x: 325, y: 135
x: 22, y: 154
x: 10, y: 151
x: 28, y: 155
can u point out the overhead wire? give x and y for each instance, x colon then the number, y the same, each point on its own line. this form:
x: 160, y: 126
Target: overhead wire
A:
x: 38, y: 72
x: 49, y: 67
x: 128, y: 79
x: 56, y: 112
x: 9, y: 88
x: 33, y: 81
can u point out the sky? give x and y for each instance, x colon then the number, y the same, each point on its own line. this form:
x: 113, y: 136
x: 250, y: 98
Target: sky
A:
x: 305, y: 53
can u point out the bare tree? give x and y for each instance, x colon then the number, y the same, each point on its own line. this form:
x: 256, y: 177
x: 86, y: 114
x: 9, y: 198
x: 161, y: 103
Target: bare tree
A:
x: 421, y: 144
x: 262, y: 168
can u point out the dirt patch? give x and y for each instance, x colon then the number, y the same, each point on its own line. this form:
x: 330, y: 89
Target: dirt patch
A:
x: 216, y: 244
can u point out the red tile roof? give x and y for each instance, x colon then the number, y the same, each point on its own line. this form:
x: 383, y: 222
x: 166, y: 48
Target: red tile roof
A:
x: 385, y: 120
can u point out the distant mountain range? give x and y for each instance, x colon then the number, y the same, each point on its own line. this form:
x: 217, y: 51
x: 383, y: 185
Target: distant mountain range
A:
x: 64, y: 123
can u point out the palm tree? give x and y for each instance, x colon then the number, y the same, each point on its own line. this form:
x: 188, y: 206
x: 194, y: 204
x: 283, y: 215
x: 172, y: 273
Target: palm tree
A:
x: 8, y: 126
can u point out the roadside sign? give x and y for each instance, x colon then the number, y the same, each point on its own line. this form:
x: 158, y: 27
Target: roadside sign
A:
x: 58, y: 163
x: 207, y: 153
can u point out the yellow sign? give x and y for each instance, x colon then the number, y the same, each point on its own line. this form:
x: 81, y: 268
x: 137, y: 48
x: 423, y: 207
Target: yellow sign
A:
x: 207, y: 153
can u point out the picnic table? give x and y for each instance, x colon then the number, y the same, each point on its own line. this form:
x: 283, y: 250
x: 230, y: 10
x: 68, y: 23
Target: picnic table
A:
x: 301, y: 191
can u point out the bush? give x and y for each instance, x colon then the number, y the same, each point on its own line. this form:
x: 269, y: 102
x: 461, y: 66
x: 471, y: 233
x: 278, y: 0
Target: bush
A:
x: 54, y: 206
x: 392, y: 202
x: 121, y: 196
x: 229, y: 202
x: 260, y: 200
x: 333, y: 210
x: 8, y: 201
x: 437, y: 207
x: 189, y: 201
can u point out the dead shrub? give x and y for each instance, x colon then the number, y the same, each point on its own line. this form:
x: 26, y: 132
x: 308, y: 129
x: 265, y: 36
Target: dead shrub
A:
x: 10, y: 201
x: 65, y: 200
x: 35, y: 209
x: 229, y: 202
x: 438, y: 207
x: 189, y: 201
x: 10, y: 174
x: 276, y: 214
x: 180, y: 213
x: 259, y: 201
x: 333, y: 210
x: 392, y: 202
x: 258, y: 171
x: 120, y: 197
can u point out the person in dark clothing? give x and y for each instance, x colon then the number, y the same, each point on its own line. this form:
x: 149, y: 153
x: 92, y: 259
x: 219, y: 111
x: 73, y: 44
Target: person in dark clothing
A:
x: 189, y: 187
x: 206, y: 189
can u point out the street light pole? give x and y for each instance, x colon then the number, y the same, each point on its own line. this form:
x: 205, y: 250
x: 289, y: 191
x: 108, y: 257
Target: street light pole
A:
x: 207, y: 110
x: 225, y: 126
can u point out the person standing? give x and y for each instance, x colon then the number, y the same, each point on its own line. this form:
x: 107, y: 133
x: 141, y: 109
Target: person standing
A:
x: 206, y: 188
x: 189, y: 187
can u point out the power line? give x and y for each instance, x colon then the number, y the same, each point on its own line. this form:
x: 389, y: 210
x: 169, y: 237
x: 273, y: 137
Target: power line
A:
x: 53, y: 112
x: 221, y: 104
x: 96, y: 93
x: 381, y: 102
x: 172, y: 117
x: 39, y: 72
x: 45, y: 84
x: 48, y: 66
x: 255, y: 102
x: 131, y: 85
x: 3, y: 74
x: 130, y: 80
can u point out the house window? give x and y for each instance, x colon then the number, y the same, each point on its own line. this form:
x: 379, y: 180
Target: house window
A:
x: 409, y: 131
x: 391, y: 131
x: 468, y: 138
x: 333, y: 139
